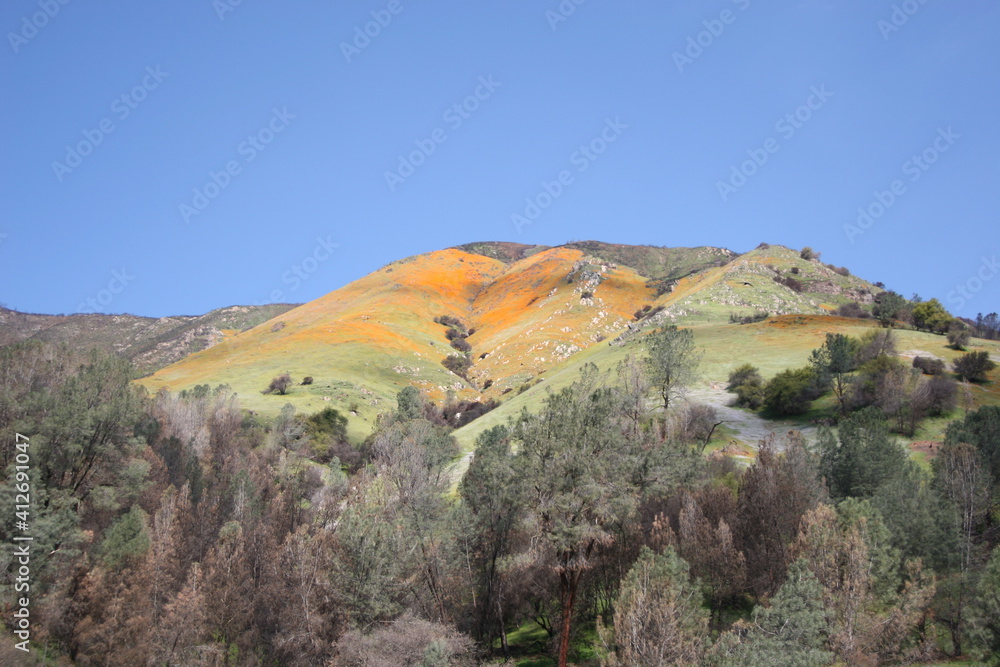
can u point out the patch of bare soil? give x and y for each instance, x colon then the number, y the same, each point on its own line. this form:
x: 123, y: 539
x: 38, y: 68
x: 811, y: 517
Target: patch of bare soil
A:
x: 929, y: 448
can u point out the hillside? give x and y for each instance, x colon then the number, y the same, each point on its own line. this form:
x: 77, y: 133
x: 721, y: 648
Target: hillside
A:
x: 528, y: 309
x: 150, y: 342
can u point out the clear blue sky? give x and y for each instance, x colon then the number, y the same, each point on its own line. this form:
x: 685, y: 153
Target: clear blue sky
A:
x: 309, y: 129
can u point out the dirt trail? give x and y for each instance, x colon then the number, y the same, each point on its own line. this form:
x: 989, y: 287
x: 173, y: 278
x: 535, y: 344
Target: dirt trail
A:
x: 750, y: 427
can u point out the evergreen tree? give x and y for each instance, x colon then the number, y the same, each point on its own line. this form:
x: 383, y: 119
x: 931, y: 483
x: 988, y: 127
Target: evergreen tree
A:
x: 791, y: 632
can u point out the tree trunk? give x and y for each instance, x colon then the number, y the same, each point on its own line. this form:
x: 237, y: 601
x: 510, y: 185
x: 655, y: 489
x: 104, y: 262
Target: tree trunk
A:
x: 569, y: 583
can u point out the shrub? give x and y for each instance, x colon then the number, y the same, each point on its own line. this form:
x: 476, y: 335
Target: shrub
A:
x: 586, y: 295
x: 929, y: 365
x: 790, y: 283
x: 461, y: 345
x: 750, y: 395
x: 942, y: 394
x: 449, y: 321
x: 795, y: 270
x: 743, y: 375
x: 789, y: 392
x: 853, y: 309
x: 277, y: 326
x: 974, y: 366
x: 307, y: 379
x: 809, y: 254
x: 752, y: 318
x: 457, y: 363
x: 279, y: 385
x: 958, y: 337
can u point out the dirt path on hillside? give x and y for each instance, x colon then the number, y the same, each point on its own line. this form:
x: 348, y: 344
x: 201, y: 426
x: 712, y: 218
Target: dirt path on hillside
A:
x: 750, y: 427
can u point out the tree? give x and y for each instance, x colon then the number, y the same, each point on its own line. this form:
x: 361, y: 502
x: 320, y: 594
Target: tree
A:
x: 985, y: 612
x: 712, y: 553
x: 790, y: 392
x: 632, y: 388
x: 861, y: 457
x: 836, y: 359
x: 876, y: 343
x: 773, y: 496
x: 279, y: 384
x: 672, y: 361
x: 875, y: 611
x: 748, y: 386
x: 658, y: 617
x: 932, y: 316
x: 493, y: 497
x: 973, y: 366
x: 982, y: 430
x: 960, y: 476
x: 581, y: 470
x: 888, y: 307
x: 127, y: 541
x: 791, y: 632
x: 958, y: 336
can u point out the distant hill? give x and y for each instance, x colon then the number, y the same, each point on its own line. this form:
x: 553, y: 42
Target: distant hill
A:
x: 151, y: 343
x: 526, y: 310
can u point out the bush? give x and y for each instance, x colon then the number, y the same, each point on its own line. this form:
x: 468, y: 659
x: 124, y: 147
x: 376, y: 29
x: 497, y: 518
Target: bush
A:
x: 307, y: 379
x: 461, y: 345
x: 449, y: 321
x: 974, y: 366
x: 929, y: 365
x: 739, y: 318
x: 942, y: 394
x: 458, y: 364
x: 279, y: 385
x: 750, y: 395
x: 746, y: 373
x: 809, y: 254
x: 586, y: 295
x: 790, y: 392
x: 958, y: 337
x: 795, y: 270
x: 790, y: 283
x: 853, y: 309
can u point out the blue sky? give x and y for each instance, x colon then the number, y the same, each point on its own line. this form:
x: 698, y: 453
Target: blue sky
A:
x: 171, y: 157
